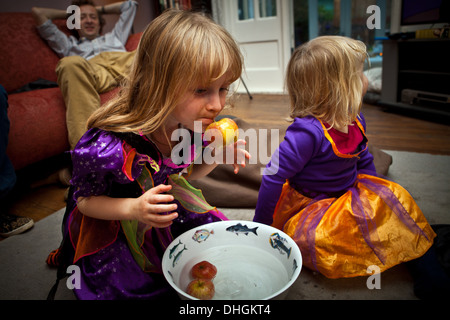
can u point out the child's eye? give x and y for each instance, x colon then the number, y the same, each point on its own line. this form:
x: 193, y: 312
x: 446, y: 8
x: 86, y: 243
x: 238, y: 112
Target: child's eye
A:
x: 200, y: 91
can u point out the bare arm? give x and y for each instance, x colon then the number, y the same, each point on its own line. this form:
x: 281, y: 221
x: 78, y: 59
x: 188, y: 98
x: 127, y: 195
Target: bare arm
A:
x: 147, y: 208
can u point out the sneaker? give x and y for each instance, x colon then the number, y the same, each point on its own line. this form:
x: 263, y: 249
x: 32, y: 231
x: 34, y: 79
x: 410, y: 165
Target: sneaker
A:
x: 11, y: 225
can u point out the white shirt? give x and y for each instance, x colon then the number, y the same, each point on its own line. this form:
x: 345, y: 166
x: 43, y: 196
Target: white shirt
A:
x: 115, y: 40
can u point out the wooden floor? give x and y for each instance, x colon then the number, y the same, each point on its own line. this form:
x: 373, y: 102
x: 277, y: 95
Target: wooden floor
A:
x: 385, y: 130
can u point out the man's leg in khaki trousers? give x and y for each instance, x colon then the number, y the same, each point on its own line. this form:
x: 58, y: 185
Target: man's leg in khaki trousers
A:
x: 82, y: 80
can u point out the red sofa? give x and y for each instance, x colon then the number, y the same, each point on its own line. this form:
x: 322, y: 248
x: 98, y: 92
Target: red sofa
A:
x: 38, y: 124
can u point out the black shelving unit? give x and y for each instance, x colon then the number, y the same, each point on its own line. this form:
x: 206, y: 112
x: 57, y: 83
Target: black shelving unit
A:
x: 416, y: 77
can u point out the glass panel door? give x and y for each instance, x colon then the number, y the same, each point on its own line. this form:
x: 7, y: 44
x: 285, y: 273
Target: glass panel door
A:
x: 261, y: 28
x: 267, y: 8
x: 246, y: 10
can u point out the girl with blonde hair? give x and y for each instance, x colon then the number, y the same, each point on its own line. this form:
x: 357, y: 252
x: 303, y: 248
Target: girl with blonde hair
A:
x: 324, y: 191
x: 129, y: 200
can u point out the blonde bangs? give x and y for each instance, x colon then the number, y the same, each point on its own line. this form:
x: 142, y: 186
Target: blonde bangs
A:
x: 216, y: 54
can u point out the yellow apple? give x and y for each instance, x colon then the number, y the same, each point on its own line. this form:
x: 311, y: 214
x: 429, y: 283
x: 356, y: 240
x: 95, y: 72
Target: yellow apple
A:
x: 228, y: 130
x: 202, y: 289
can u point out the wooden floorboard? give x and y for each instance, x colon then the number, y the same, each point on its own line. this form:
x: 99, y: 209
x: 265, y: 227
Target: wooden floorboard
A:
x: 393, y: 131
x: 385, y: 130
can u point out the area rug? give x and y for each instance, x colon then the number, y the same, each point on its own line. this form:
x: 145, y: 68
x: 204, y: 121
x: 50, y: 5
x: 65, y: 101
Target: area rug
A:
x: 24, y: 274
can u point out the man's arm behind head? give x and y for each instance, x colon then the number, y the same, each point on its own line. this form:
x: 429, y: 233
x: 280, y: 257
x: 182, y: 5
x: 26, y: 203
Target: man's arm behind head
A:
x: 43, y: 14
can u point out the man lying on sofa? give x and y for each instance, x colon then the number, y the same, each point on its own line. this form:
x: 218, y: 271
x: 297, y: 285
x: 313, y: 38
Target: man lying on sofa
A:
x: 90, y: 63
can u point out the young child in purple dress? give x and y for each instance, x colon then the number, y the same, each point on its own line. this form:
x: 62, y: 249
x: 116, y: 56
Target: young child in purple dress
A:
x: 131, y: 198
x: 321, y: 186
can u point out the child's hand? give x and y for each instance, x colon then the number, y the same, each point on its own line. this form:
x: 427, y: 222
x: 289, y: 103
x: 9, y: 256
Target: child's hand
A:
x: 240, y: 154
x: 151, y: 204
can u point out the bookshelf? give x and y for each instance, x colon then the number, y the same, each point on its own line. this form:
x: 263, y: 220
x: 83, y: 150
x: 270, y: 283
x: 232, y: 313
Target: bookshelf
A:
x: 194, y: 5
x: 416, y: 77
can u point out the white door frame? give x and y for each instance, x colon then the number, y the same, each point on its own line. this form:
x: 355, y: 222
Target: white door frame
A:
x: 221, y: 16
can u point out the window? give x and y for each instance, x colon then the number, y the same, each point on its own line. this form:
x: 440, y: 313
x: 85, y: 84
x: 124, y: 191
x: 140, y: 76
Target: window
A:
x: 267, y: 8
x: 313, y: 18
x: 246, y: 9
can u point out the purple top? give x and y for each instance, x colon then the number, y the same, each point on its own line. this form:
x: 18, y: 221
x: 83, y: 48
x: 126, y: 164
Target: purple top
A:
x: 306, y: 158
x: 98, y: 162
x: 124, y: 261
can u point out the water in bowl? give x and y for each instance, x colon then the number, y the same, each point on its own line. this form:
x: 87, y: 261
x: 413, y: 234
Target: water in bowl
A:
x: 243, y: 272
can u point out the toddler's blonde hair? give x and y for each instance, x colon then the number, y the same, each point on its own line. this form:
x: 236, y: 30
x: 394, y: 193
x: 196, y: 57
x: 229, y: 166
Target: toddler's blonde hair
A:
x: 178, y: 51
x: 324, y: 79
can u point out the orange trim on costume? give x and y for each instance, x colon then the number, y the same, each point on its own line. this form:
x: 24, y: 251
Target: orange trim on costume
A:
x: 333, y: 145
x: 128, y: 157
x: 361, y: 127
x: 92, y: 234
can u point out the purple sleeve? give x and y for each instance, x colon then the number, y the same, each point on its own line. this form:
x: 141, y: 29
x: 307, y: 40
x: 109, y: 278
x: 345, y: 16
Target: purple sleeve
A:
x: 298, y: 147
x: 97, y: 163
x: 365, y: 162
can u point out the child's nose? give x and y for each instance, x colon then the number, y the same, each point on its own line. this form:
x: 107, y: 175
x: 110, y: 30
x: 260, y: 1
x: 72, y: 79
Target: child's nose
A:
x: 215, y: 103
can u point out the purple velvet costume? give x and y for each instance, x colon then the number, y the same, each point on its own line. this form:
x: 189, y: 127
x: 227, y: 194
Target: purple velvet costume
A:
x: 99, y: 169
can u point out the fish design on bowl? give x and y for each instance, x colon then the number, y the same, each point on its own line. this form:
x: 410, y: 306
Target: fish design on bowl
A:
x: 278, y: 242
x: 201, y: 235
x: 239, y: 228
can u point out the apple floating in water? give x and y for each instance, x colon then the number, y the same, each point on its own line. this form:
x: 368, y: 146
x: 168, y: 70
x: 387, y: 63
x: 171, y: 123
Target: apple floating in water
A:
x: 202, y: 289
x: 204, y: 270
x: 202, y: 286
x: 227, y: 128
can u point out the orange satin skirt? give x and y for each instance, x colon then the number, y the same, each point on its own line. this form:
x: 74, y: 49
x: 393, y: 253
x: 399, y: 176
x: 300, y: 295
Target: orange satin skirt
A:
x: 375, y: 223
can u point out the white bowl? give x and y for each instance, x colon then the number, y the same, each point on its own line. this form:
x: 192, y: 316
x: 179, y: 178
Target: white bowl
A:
x: 254, y: 261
